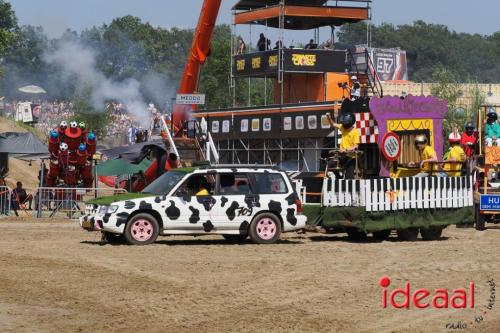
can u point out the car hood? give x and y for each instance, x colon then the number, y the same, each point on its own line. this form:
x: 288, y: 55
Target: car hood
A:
x: 120, y: 197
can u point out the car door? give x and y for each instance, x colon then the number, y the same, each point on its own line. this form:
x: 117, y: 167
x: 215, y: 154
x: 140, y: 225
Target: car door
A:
x: 189, y: 208
x: 235, y: 207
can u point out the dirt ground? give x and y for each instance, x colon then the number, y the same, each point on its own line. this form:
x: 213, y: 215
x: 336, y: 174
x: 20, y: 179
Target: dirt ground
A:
x: 55, y: 277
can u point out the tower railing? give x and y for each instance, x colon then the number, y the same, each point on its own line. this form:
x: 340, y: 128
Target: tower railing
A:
x: 361, y: 64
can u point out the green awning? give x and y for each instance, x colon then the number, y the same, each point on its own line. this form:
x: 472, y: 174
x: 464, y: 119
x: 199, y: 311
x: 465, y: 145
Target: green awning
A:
x: 121, y: 167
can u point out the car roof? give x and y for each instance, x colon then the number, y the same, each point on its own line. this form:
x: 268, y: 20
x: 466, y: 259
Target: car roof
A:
x: 237, y: 170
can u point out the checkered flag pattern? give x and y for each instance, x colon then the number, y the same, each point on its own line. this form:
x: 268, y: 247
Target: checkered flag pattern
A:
x: 367, y: 126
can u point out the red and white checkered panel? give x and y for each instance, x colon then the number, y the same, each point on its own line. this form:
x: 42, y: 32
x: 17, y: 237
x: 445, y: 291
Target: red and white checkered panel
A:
x: 367, y: 127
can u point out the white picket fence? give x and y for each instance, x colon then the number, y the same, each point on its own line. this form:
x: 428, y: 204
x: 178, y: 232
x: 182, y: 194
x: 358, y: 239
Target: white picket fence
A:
x: 390, y: 194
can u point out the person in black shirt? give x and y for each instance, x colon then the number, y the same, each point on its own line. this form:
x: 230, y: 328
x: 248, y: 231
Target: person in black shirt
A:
x: 311, y: 45
x: 263, y: 43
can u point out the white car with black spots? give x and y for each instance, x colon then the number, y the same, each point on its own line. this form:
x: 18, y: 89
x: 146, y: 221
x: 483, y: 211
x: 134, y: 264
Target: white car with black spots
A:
x: 235, y: 202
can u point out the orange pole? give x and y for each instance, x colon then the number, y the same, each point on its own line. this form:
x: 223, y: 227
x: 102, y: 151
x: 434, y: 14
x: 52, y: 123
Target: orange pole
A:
x: 199, y: 52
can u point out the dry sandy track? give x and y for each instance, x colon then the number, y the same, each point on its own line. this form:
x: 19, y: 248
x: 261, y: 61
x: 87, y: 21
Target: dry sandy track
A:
x: 55, y: 277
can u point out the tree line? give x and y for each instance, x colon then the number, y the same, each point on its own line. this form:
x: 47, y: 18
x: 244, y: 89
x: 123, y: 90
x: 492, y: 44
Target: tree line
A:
x: 129, y: 48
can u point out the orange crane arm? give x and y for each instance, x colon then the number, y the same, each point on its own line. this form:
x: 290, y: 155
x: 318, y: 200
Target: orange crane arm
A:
x: 199, y: 52
x: 200, y: 47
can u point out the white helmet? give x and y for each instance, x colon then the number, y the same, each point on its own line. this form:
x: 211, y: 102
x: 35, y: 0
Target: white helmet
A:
x: 73, y: 124
x: 454, y: 137
x: 63, y: 146
x: 354, y: 77
x: 63, y: 124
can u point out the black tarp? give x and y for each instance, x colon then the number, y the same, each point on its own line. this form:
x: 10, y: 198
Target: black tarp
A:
x: 20, y: 144
x: 133, y: 153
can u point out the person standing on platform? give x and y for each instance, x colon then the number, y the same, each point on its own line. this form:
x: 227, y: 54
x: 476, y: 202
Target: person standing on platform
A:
x: 351, y: 139
x: 468, y: 139
x: 263, y: 43
x: 492, y: 129
x: 242, y: 48
x: 356, y: 88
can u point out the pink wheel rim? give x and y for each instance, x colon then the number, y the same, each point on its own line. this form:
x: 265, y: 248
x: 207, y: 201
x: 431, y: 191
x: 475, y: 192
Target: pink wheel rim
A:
x: 266, y: 228
x: 142, y: 230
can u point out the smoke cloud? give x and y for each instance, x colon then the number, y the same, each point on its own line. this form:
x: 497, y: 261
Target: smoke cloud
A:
x: 78, y: 61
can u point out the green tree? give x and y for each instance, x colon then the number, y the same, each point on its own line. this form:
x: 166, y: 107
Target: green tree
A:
x: 8, y: 26
x: 23, y: 59
x: 447, y: 87
x: 471, y: 57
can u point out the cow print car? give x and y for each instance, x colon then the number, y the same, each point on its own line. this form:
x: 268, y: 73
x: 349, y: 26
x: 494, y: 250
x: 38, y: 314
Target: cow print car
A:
x: 234, y: 202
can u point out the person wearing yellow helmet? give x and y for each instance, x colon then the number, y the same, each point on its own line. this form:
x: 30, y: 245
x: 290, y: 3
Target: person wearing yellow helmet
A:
x: 426, y: 153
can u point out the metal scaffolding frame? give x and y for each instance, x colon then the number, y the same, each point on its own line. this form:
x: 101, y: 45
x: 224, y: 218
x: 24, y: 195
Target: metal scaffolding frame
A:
x: 299, y: 154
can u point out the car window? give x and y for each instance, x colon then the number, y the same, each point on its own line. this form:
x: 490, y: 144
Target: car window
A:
x: 269, y: 183
x: 197, y: 184
x: 234, y: 184
x: 165, y: 183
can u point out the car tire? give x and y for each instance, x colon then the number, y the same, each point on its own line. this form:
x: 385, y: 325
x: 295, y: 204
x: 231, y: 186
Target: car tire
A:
x: 381, y: 235
x: 265, y: 229
x: 141, y: 229
x: 235, y: 238
x: 111, y: 238
x: 432, y: 233
x: 409, y: 234
x: 356, y: 235
x: 479, y: 219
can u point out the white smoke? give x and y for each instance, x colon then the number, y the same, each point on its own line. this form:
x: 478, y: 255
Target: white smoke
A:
x: 79, y: 61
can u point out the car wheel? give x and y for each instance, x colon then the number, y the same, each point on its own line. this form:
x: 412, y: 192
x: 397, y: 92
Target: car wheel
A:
x: 479, y: 218
x: 235, y: 238
x: 111, y: 238
x: 409, y: 235
x: 381, y: 235
x: 265, y: 229
x: 432, y: 233
x: 356, y: 235
x: 142, y: 229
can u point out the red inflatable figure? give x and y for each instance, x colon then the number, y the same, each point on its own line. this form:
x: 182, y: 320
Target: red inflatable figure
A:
x: 91, y: 143
x: 73, y: 136
x: 71, y: 149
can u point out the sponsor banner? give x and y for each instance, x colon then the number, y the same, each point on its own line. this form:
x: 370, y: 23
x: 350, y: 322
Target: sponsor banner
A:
x: 390, y: 64
x: 294, y: 60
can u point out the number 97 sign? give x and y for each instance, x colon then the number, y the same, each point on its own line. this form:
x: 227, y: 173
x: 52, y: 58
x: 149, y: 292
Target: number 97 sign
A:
x: 391, y: 146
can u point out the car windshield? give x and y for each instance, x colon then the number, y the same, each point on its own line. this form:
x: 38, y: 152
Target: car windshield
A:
x: 165, y: 183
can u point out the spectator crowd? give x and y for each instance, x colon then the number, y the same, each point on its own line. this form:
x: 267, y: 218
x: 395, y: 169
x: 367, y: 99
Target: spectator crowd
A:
x: 122, y: 125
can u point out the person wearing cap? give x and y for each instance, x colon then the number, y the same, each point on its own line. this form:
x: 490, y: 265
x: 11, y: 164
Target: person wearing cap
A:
x: 455, y: 154
x: 468, y: 139
x: 492, y: 129
x: 356, y: 88
x: 351, y: 139
x: 426, y: 153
